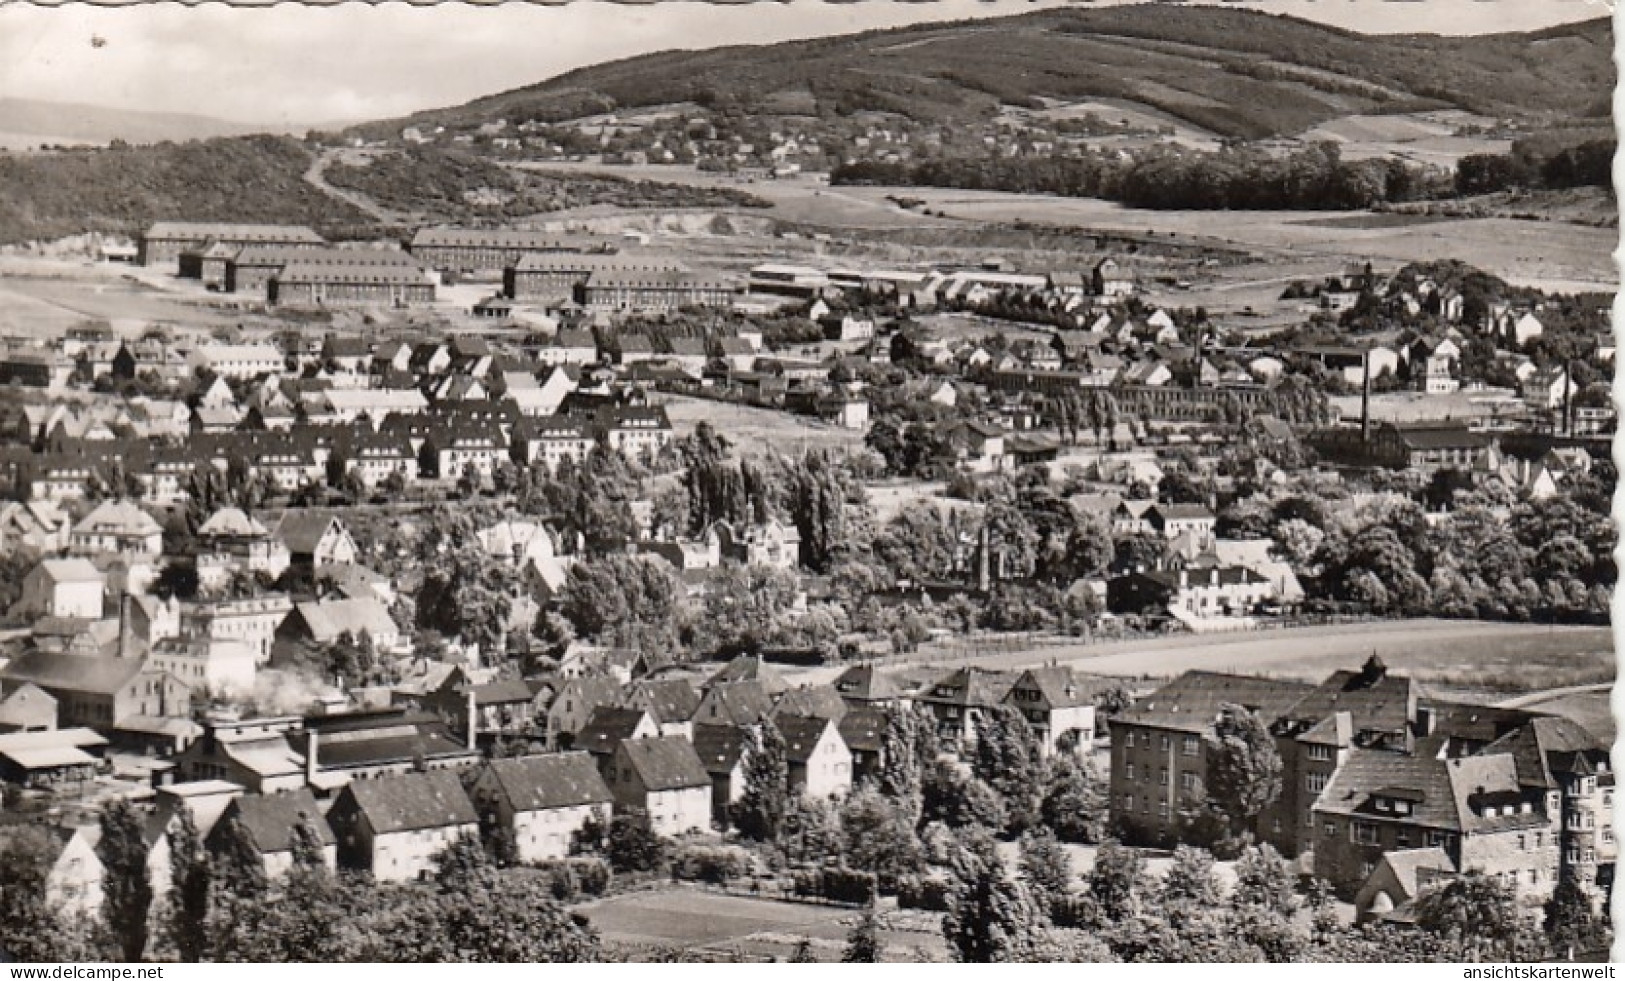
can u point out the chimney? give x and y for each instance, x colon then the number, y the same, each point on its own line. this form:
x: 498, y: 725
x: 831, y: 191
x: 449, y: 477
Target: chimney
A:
x: 1568, y: 398
x: 126, y: 642
x: 1365, y: 398
x: 311, y: 766
x: 473, y: 721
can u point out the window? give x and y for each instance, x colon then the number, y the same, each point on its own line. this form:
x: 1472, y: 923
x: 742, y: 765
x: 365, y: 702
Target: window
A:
x: 1534, y: 876
x: 1166, y: 742
x: 1331, y: 830
x: 1523, y: 843
x: 1128, y: 772
x: 1187, y: 781
x: 1162, y: 777
x: 1320, y: 752
x: 1366, y: 868
x: 1128, y: 739
x: 1128, y: 802
x: 1402, y: 838
x: 1608, y: 835
x: 1315, y: 782
x: 1365, y: 833
x: 1188, y: 746
x: 1162, y: 808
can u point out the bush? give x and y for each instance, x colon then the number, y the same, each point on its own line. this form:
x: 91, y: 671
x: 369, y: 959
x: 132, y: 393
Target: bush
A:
x: 836, y: 884
x: 572, y: 878
x: 716, y: 864
x: 923, y: 892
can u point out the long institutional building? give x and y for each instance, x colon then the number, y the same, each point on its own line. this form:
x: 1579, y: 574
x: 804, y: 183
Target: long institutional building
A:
x: 489, y: 250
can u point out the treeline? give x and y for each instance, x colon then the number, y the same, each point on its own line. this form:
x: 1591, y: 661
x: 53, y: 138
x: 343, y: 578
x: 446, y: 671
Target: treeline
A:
x: 1314, y: 178
x: 1532, y: 166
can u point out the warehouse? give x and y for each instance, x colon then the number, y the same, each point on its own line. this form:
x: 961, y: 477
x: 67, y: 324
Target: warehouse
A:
x: 493, y: 250
x: 166, y: 240
x: 349, y: 285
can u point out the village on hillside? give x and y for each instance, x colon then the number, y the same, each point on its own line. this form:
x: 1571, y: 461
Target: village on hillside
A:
x: 553, y: 566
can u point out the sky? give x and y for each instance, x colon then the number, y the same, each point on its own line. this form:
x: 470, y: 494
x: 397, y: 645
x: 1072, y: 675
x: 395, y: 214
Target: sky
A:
x: 300, y: 65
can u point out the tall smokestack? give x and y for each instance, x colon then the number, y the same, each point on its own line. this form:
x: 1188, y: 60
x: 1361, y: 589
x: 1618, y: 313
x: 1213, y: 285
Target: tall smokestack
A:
x: 1568, y: 398
x: 311, y: 766
x: 473, y: 722
x: 126, y: 638
x: 1365, y: 397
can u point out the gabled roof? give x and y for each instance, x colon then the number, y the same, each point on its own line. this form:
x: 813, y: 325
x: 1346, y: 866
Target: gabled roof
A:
x: 668, y: 700
x: 608, y: 727
x: 74, y: 672
x: 736, y: 703
x: 749, y: 667
x: 120, y: 517
x: 412, y: 802
x: 1375, y: 700
x: 327, y: 619
x: 865, y: 682
x: 302, y: 530
x: 71, y: 570
x: 863, y: 728
x: 665, y: 763
x: 538, y: 783
x: 814, y: 701
x: 801, y: 735
x: 232, y: 523
x: 969, y: 687
x: 1062, y: 688
x: 720, y: 747
x: 1546, y: 747
x: 270, y: 819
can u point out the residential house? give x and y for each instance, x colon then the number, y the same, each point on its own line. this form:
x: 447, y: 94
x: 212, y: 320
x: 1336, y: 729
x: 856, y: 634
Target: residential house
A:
x: 28, y: 708
x: 268, y: 823
x: 960, y: 699
x: 772, y: 543
x: 316, y: 540
x: 1059, y: 706
x: 609, y: 726
x: 573, y: 704
x: 722, y: 751
x: 321, y: 622
x: 663, y: 778
x: 62, y: 588
x: 541, y: 801
x: 98, y: 691
x: 118, y: 528
x: 394, y: 826
x: 866, y: 685
x: 819, y: 762
x: 671, y: 702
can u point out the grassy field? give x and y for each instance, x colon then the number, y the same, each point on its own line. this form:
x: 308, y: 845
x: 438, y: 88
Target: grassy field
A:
x: 1590, y: 709
x: 1520, y: 251
x: 694, y: 918
x: 756, y: 430
x: 1464, y: 654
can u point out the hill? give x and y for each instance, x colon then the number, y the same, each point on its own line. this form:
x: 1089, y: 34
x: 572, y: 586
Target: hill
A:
x: 1236, y: 73
x: 125, y: 189
x: 65, y: 122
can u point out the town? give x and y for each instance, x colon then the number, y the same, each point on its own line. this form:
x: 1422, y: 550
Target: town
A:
x: 1108, y: 483
x: 649, y: 577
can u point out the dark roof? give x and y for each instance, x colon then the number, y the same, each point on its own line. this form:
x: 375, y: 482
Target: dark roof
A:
x: 1549, y: 746
x: 864, y: 683
x: 607, y: 728
x: 302, y: 530
x: 1450, y: 794
x: 720, y: 748
x: 270, y: 819
x: 863, y: 728
x: 665, y: 763
x: 668, y: 700
x: 1375, y: 700
x: 1442, y: 438
x: 502, y: 692
x: 73, y: 672
x: 738, y: 703
x: 801, y: 734
x: 1190, y: 703
x: 817, y: 701
x: 1063, y: 688
x: 535, y: 783
x: 412, y: 801
x: 969, y: 686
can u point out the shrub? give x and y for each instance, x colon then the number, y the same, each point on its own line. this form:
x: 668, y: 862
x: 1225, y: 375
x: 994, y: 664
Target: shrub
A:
x: 839, y: 885
x: 716, y: 864
x: 572, y: 878
x: 923, y: 892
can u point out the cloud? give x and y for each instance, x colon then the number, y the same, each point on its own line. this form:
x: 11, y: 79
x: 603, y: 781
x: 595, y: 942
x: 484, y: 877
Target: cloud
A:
x: 298, y: 64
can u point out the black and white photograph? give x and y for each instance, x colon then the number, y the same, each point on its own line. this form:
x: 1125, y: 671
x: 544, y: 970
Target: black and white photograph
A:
x: 974, y: 481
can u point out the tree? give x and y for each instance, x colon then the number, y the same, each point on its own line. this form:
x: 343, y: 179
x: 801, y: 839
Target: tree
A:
x: 1190, y: 881
x: 900, y: 763
x: 759, y: 812
x: 126, y: 887
x: 1007, y: 758
x: 1117, y: 880
x: 632, y: 845
x: 1571, y: 923
x: 191, y: 884
x: 1046, y: 869
x: 1243, y: 773
x: 959, y: 801
x: 863, y: 944
x: 803, y: 953
x: 1265, y: 880
x: 1473, y: 912
x: 991, y: 917
x: 30, y: 925
x: 877, y: 836
x: 1074, y: 802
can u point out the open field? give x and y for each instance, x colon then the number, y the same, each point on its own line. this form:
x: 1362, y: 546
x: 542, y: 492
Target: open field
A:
x: 1418, y: 137
x: 1416, y: 407
x: 44, y: 306
x: 1519, y: 251
x: 755, y: 430
x: 1490, y: 657
x: 1590, y: 709
x: 689, y: 917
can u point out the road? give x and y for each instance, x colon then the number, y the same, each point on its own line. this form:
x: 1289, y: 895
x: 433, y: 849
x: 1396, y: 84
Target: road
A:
x: 315, y: 178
